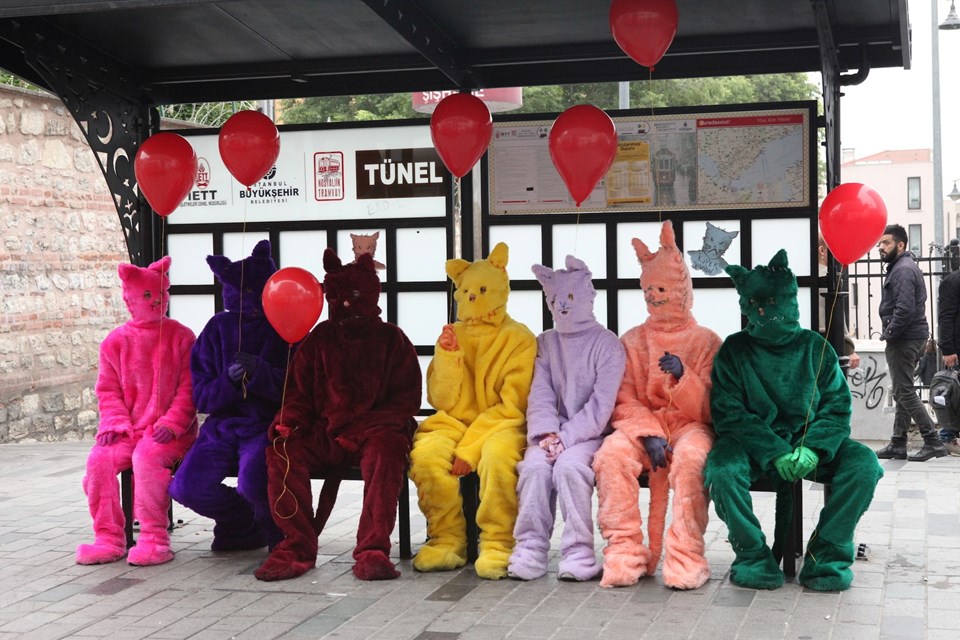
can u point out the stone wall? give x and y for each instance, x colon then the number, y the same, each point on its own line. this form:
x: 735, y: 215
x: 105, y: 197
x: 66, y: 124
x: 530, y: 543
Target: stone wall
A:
x: 60, y: 243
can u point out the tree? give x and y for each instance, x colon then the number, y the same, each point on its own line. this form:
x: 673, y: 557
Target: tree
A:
x: 207, y: 114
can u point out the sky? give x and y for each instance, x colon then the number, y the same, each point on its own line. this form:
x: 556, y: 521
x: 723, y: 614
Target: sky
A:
x: 892, y: 108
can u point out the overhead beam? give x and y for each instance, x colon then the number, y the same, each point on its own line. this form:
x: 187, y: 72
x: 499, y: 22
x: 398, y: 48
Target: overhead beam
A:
x: 427, y: 37
x: 22, y: 8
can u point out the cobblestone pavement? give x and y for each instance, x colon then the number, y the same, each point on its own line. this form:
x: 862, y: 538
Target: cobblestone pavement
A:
x: 908, y: 588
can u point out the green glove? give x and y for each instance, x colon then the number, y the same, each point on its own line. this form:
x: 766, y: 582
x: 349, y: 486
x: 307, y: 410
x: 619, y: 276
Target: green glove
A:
x: 785, y: 466
x: 806, y: 460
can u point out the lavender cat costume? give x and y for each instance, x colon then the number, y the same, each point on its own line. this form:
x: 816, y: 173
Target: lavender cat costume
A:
x: 147, y: 420
x: 238, y: 365
x: 577, y: 373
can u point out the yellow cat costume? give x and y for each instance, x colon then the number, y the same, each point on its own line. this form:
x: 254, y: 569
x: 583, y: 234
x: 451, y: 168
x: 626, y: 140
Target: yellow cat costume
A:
x: 478, y: 382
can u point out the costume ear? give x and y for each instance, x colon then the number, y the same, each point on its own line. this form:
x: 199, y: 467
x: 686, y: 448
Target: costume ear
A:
x: 365, y: 261
x: 667, y: 237
x: 375, y: 235
x: 573, y: 263
x: 455, y: 268
x: 354, y: 237
x: 641, y: 249
x: 499, y: 256
x: 779, y: 261
x: 331, y: 261
x: 262, y: 250
x: 126, y: 271
x: 218, y: 264
x: 543, y: 274
x: 162, y: 265
x: 737, y: 273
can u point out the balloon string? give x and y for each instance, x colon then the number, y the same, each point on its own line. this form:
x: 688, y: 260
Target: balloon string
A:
x: 243, y: 252
x: 283, y: 456
x: 576, y: 233
x: 653, y: 165
x: 163, y: 243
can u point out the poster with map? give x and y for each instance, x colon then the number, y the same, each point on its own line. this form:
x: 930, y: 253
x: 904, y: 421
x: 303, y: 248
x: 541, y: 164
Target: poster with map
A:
x: 723, y: 160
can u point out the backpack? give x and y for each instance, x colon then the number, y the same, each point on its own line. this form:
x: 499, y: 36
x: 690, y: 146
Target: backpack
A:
x: 945, y: 398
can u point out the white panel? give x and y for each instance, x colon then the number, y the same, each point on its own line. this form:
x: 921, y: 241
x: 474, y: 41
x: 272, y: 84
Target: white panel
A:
x: 188, y: 253
x: 585, y: 241
x: 193, y: 311
x: 769, y: 236
x: 238, y: 246
x: 649, y: 232
x: 600, y: 307
x: 422, y: 316
x: 803, y: 298
x: 632, y: 309
x: 524, y: 243
x: 345, y: 246
x: 383, y: 304
x: 526, y: 307
x: 718, y: 309
x: 710, y: 257
x: 424, y: 363
x: 303, y: 249
x: 421, y: 255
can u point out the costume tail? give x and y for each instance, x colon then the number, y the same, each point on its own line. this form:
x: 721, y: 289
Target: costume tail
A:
x: 659, y: 483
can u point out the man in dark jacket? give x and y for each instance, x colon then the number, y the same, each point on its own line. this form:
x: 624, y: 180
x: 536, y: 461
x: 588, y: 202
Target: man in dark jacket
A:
x: 902, y: 312
x: 948, y: 324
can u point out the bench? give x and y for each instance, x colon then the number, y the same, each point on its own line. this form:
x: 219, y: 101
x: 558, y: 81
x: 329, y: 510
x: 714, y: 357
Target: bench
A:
x: 792, y: 546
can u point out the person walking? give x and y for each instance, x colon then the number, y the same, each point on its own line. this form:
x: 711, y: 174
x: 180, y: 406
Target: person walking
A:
x: 905, y: 331
x: 948, y: 324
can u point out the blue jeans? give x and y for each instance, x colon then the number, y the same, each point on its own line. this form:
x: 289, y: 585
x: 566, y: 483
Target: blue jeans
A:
x: 902, y: 357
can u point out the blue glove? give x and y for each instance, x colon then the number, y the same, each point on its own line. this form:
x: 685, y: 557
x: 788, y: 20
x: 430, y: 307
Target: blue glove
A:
x: 671, y: 364
x: 248, y: 361
x: 657, y: 450
x: 235, y: 372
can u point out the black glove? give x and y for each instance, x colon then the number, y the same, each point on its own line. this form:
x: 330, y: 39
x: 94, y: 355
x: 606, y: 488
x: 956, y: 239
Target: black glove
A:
x: 671, y: 364
x: 248, y: 361
x: 657, y: 450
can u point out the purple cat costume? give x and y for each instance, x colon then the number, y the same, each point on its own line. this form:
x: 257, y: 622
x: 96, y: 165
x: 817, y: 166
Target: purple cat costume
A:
x: 238, y: 366
x: 577, y: 373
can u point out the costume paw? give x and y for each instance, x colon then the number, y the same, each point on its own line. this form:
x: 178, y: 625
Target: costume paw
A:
x: 622, y: 570
x: 245, y: 543
x: 492, y: 564
x: 827, y: 583
x: 579, y: 569
x: 759, y: 571
x: 374, y: 565
x: 825, y: 569
x: 689, y: 575
x: 100, y: 553
x: 440, y: 557
x: 283, y: 564
x: 145, y: 554
x: 526, y: 563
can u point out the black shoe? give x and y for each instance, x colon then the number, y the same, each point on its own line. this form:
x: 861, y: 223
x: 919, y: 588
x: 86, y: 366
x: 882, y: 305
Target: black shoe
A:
x: 929, y: 450
x: 893, y: 451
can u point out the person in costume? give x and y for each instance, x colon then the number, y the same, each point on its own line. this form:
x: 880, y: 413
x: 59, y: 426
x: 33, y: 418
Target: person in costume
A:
x: 781, y: 409
x: 147, y: 420
x: 662, y: 407
x: 354, y: 387
x: 478, y: 381
x: 577, y: 372
x: 238, y: 366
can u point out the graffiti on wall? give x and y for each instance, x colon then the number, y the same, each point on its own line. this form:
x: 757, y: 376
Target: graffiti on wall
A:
x: 868, y: 384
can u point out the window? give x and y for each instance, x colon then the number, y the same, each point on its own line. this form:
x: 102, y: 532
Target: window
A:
x: 916, y: 238
x: 913, y: 193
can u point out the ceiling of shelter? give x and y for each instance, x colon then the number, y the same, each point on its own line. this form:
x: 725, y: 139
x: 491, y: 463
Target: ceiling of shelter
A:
x: 178, y: 51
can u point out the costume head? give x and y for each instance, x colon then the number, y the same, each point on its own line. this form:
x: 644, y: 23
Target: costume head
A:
x: 665, y: 280
x: 146, y: 291
x: 482, y: 287
x: 352, y: 290
x: 570, y: 295
x: 768, y: 297
x: 253, y: 272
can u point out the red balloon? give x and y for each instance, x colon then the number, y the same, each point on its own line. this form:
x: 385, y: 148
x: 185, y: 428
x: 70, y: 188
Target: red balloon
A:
x: 644, y: 29
x: 583, y: 144
x: 461, y: 127
x: 249, y: 146
x: 166, y: 170
x: 292, y: 302
x: 852, y: 219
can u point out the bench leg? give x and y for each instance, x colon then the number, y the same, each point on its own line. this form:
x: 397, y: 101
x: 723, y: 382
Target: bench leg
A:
x: 126, y: 502
x: 403, y: 517
x: 470, y: 492
x: 793, y: 549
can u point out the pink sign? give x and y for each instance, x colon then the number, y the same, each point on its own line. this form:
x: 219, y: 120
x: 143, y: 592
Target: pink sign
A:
x: 497, y: 100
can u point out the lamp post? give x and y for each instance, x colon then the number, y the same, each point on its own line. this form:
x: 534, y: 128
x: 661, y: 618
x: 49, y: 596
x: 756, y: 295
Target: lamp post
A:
x: 952, y: 22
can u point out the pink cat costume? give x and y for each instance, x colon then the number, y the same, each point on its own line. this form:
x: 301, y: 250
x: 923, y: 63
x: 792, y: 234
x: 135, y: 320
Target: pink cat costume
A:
x: 664, y: 402
x: 147, y: 420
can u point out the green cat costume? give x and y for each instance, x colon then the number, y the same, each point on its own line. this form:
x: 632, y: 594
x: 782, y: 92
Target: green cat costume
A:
x: 765, y: 379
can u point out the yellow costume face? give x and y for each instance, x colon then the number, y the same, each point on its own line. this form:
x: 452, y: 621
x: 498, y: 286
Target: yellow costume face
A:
x: 482, y: 287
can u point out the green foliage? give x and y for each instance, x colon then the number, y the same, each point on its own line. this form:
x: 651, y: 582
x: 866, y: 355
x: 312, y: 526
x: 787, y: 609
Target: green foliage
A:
x: 15, y: 81
x: 207, y: 114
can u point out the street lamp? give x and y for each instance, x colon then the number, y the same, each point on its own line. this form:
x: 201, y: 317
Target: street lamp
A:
x: 955, y: 194
x: 951, y: 23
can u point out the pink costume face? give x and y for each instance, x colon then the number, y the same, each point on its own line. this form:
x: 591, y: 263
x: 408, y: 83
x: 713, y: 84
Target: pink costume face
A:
x: 146, y: 290
x: 664, y: 278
